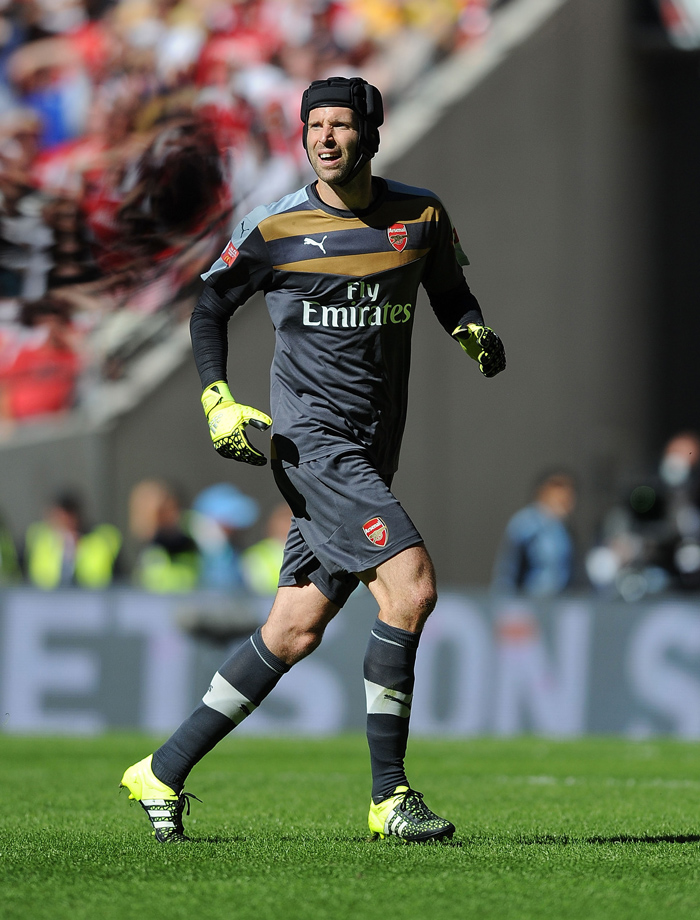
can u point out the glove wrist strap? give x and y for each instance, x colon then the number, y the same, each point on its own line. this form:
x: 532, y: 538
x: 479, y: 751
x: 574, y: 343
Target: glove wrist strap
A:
x: 214, y: 394
x: 465, y: 331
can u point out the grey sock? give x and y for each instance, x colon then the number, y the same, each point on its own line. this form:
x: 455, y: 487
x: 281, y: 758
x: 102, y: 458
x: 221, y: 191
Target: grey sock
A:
x: 237, y: 688
x: 389, y: 676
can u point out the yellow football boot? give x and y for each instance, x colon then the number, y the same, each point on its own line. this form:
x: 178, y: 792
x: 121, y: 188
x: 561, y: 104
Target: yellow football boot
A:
x: 404, y: 814
x: 162, y: 804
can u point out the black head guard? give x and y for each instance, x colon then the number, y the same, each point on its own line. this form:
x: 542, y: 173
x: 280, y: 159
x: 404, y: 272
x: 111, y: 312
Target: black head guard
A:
x: 351, y: 93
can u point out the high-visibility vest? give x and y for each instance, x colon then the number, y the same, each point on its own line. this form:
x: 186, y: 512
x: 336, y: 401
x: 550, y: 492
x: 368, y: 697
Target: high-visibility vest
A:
x: 95, y: 555
x: 261, y: 565
x: 10, y: 572
x: 162, y: 573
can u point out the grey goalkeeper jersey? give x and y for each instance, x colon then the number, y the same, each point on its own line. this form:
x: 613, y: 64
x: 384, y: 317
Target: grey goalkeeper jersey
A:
x: 341, y: 289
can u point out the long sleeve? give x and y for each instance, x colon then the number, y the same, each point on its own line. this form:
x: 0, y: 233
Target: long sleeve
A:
x: 455, y: 307
x: 233, y: 279
x: 209, y: 334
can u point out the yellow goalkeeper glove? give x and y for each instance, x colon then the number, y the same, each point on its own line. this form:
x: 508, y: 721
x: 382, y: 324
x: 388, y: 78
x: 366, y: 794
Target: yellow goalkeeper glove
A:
x: 483, y: 345
x: 227, y: 421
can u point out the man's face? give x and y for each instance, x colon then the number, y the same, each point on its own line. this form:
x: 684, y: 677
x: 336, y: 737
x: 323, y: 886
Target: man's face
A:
x: 559, y: 498
x: 331, y: 142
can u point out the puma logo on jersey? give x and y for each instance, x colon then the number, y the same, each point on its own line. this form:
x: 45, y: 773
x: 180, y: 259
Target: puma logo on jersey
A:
x: 309, y: 242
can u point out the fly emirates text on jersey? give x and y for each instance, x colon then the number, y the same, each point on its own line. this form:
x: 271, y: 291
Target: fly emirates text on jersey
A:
x: 354, y: 315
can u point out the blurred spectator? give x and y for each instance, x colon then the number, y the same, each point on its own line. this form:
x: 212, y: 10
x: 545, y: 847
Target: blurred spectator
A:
x: 10, y: 571
x: 19, y: 143
x: 168, y: 560
x: 71, y: 255
x: 175, y: 190
x: 25, y: 239
x: 263, y: 560
x: 61, y: 550
x: 536, y: 556
x: 219, y: 518
x: 49, y: 78
x: 650, y: 541
x: 40, y: 377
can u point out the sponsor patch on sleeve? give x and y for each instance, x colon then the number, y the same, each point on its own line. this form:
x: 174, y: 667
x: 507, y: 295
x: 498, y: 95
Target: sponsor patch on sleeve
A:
x: 230, y: 254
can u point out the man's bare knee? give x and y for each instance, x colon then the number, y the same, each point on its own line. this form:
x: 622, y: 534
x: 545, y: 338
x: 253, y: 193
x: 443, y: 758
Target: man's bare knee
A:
x: 404, y: 587
x: 426, y: 601
x: 305, y: 641
x: 297, y: 622
x: 420, y: 603
x: 409, y: 608
x: 293, y: 643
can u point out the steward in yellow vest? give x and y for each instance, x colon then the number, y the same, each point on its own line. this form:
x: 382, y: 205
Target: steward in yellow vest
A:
x: 58, y: 552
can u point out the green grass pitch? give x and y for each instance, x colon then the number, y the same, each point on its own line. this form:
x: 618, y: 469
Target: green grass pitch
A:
x: 595, y: 828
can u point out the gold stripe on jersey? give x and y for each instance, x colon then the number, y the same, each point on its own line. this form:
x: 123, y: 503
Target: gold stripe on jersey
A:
x: 366, y: 263
x: 308, y: 223
x: 305, y: 223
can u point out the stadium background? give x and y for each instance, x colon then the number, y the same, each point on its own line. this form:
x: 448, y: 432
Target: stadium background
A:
x: 565, y: 146
x: 566, y: 159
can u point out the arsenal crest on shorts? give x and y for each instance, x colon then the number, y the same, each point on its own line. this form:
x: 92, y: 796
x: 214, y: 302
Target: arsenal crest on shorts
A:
x: 398, y: 236
x: 376, y: 531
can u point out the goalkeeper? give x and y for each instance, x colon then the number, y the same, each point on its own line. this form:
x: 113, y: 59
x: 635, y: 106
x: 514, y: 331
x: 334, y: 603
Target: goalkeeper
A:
x: 340, y: 262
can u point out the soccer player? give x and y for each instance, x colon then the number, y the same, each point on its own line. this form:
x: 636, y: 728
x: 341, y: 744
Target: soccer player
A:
x: 340, y: 262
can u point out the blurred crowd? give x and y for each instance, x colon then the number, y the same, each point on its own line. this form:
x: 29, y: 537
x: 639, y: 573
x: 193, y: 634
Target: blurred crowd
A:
x: 134, y: 133
x: 173, y: 548
x: 647, y: 542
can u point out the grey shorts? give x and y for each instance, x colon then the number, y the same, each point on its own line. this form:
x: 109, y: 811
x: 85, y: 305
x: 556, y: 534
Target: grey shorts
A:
x: 346, y: 520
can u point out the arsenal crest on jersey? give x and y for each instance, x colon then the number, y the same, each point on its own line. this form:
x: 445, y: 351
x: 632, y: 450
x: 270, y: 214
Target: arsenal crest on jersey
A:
x: 398, y: 236
x: 376, y: 531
